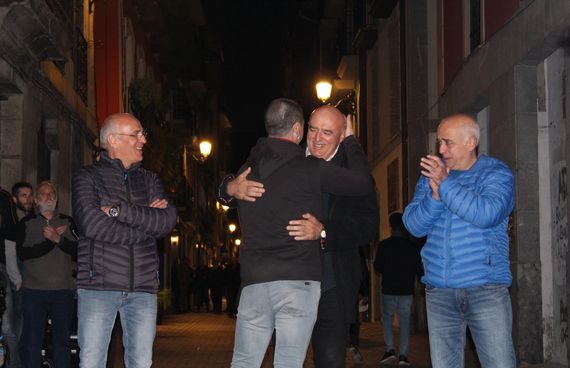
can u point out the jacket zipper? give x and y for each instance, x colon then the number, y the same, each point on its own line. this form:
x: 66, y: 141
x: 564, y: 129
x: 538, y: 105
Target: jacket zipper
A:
x: 91, y: 250
x: 131, y: 249
x: 447, y: 249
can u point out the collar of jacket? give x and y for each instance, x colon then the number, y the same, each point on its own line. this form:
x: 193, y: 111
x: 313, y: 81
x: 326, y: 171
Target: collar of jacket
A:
x: 105, y: 160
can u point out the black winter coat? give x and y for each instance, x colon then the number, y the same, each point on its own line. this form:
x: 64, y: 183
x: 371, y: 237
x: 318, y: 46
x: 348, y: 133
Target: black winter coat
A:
x: 293, y: 185
x: 350, y: 223
x: 120, y: 253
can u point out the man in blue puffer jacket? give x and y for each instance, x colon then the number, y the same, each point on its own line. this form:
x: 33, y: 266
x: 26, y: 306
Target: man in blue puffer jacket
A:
x: 462, y: 204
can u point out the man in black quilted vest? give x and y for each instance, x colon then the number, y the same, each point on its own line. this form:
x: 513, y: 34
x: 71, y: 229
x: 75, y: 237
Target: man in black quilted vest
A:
x: 120, y: 210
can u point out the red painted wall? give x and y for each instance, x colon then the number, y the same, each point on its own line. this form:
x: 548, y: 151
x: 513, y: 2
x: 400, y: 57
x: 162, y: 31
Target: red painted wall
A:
x: 107, y: 33
x: 452, y: 39
x: 497, y: 13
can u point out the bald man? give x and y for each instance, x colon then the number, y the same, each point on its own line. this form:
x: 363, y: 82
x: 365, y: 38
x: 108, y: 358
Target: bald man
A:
x: 462, y: 204
x: 120, y: 210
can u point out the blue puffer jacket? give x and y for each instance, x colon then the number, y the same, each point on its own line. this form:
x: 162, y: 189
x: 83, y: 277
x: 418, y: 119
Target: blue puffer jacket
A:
x: 467, y: 242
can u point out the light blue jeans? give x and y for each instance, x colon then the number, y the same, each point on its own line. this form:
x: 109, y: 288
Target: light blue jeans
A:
x: 96, y: 313
x: 486, y: 310
x: 289, y: 307
x: 402, y: 304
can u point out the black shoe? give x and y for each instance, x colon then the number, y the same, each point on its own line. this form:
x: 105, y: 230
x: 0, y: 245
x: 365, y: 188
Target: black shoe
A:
x: 389, y: 357
x: 403, y: 360
x: 356, y: 356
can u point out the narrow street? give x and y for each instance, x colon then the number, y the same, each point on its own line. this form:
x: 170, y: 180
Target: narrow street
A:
x: 203, y: 340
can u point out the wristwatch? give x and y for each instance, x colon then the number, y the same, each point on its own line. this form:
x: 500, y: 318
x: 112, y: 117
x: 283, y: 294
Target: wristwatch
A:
x: 323, y: 238
x: 114, y: 211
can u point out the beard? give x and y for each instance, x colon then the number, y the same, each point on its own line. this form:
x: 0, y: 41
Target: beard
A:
x: 26, y: 207
x: 47, y: 206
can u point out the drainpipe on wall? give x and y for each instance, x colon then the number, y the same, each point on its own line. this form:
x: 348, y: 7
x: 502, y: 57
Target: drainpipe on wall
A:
x: 403, y: 102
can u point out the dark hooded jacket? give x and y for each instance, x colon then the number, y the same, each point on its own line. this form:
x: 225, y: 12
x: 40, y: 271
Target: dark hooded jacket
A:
x: 293, y: 186
x: 119, y: 253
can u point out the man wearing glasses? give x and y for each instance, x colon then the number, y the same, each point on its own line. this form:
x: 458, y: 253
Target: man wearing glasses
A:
x: 121, y: 210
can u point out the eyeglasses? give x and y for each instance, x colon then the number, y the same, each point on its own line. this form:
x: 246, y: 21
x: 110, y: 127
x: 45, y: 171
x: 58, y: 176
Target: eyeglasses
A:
x: 138, y: 135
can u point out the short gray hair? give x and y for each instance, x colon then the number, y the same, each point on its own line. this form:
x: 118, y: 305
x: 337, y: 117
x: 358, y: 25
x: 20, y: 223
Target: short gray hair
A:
x: 109, y: 125
x: 281, y: 115
x: 468, y: 123
x: 45, y: 183
x: 106, y: 130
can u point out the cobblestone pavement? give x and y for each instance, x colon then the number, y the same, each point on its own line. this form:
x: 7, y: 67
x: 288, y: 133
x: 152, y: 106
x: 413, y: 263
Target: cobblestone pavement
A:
x: 206, y: 340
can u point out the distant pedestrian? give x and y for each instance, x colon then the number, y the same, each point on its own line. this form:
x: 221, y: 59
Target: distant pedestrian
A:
x: 201, y: 288
x: 398, y: 260
x: 233, y: 282
x: 183, y: 277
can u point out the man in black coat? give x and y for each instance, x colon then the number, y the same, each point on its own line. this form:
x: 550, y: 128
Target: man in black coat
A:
x: 398, y: 260
x: 347, y: 224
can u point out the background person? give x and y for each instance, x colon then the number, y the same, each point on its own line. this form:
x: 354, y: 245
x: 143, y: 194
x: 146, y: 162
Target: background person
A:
x: 47, y: 246
x: 398, y: 260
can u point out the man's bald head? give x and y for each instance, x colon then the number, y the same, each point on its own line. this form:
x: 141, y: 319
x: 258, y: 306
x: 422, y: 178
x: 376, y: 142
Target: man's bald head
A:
x: 326, y: 130
x: 458, y: 137
x: 464, y: 123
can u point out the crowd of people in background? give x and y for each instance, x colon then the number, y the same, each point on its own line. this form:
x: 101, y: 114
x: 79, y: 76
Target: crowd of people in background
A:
x: 202, y: 289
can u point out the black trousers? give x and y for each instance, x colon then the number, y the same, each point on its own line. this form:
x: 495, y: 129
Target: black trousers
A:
x: 330, y: 332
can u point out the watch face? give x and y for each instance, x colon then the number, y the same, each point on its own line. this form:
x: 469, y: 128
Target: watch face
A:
x: 323, y: 234
x: 113, y: 212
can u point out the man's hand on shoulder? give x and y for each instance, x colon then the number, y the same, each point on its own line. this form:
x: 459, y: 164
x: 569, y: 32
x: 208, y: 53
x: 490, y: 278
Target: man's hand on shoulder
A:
x: 244, y: 189
x: 307, y: 228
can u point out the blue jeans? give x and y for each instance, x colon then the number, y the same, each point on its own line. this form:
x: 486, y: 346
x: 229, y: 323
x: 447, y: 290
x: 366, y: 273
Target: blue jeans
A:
x: 289, y: 307
x: 37, y: 306
x: 486, y: 310
x: 96, y: 314
x: 402, y: 304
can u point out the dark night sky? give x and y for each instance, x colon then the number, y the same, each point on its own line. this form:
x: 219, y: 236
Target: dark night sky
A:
x: 254, y: 35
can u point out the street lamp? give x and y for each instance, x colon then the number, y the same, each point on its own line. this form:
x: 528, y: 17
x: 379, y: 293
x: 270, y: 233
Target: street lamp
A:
x: 237, y: 242
x: 205, y: 149
x: 174, y: 239
x: 324, y: 89
x: 200, y: 151
x: 232, y: 227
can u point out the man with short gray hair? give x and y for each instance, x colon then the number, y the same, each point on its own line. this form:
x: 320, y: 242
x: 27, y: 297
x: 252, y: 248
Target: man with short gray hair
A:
x: 121, y: 210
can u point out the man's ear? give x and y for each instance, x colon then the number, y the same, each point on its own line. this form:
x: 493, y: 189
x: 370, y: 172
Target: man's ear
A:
x: 111, y: 140
x: 472, y: 143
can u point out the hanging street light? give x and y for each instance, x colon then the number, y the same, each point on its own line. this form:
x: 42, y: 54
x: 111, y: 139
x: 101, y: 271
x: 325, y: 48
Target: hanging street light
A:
x: 205, y: 149
x: 324, y: 89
